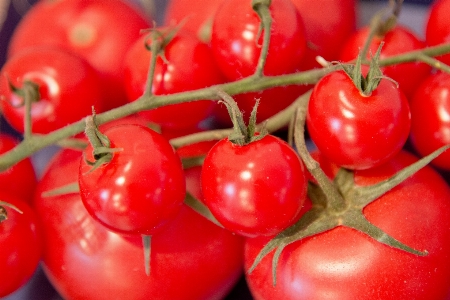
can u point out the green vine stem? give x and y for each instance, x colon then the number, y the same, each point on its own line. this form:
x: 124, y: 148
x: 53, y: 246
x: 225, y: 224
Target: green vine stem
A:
x: 249, y: 84
x: 261, y: 7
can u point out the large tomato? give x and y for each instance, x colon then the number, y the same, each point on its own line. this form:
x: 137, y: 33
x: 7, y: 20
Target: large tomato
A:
x: 437, y: 26
x: 100, y: 31
x: 343, y: 263
x: 191, y: 259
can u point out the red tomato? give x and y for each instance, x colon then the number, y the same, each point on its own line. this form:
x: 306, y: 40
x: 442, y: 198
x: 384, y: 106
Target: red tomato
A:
x: 324, y: 35
x: 430, y: 118
x: 187, y: 65
x: 343, y: 263
x: 195, y: 16
x: 100, y: 31
x: 437, y: 27
x: 397, y: 41
x: 353, y: 130
x: 255, y: 189
x: 236, y: 46
x: 21, y: 244
x: 68, y: 88
x: 140, y: 189
x: 191, y: 258
x: 19, y: 180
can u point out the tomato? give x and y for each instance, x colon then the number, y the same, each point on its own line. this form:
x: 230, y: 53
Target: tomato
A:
x: 324, y: 36
x: 396, y: 41
x: 430, y: 118
x: 343, y: 263
x: 140, y: 188
x: 191, y: 258
x: 20, y: 179
x: 255, y: 189
x: 195, y: 16
x: 187, y: 65
x: 236, y: 45
x: 21, y: 244
x: 353, y: 130
x: 100, y: 31
x: 68, y: 88
x: 437, y: 30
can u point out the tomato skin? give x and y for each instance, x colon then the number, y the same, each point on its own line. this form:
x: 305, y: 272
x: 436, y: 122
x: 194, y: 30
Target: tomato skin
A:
x: 234, y: 44
x: 84, y: 260
x: 140, y: 189
x: 255, y: 189
x: 20, y: 179
x: 21, y: 245
x: 356, y: 131
x: 397, y: 41
x: 345, y: 264
x: 430, y: 123
x: 100, y: 31
x: 68, y: 88
x: 187, y: 65
x: 437, y: 29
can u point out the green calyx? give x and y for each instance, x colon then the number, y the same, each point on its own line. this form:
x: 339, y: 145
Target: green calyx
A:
x: 29, y: 91
x: 323, y: 217
x: 242, y: 134
x: 4, y: 213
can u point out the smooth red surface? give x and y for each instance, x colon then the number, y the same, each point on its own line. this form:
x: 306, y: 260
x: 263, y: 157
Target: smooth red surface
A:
x: 437, y: 27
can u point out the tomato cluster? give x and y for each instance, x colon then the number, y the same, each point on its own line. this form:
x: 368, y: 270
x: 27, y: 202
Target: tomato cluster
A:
x: 183, y: 165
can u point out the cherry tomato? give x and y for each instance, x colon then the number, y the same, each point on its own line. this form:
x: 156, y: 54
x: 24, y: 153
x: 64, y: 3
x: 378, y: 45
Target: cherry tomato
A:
x: 236, y: 45
x: 353, y: 130
x: 324, y: 35
x: 255, y: 189
x: 437, y: 27
x: 191, y: 258
x: 343, y: 263
x: 140, y: 189
x: 100, y: 31
x: 21, y: 244
x: 430, y: 118
x: 68, y: 88
x: 19, y: 180
x: 187, y: 65
x: 396, y: 41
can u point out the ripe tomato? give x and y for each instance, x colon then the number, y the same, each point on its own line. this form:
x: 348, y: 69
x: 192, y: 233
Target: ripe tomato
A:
x: 430, y: 117
x: 187, y: 65
x: 356, y: 131
x: 396, y: 41
x: 196, y: 16
x: 324, y: 36
x: 140, y: 189
x: 191, y: 258
x: 236, y: 45
x: 100, y: 31
x: 68, y: 88
x: 343, y: 263
x: 255, y: 189
x: 19, y: 180
x: 437, y: 27
x: 21, y: 244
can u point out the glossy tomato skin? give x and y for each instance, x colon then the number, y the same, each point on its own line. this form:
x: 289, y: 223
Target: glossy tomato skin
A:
x: 255, y: 189
x: 140, y: 189
x: 191, y: 259
x: 437, y: 30
x: 68, y: 88
x: 19, y: 179
x: 397, y: 41
x: 236, y: 47
x: 356, y: 131
x: 430, y: 123
x: 324, y: 36
x: 21, y: 244
x: 187, y: 65
x: 345, y: 264
x: 100, y: 31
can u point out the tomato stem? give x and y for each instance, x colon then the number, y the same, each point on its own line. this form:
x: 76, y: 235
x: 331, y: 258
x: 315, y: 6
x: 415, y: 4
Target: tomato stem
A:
x: 261, y: 7
x: 146, y: 241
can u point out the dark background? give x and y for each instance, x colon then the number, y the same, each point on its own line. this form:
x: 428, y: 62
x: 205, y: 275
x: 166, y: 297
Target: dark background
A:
x: 39, y: 288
